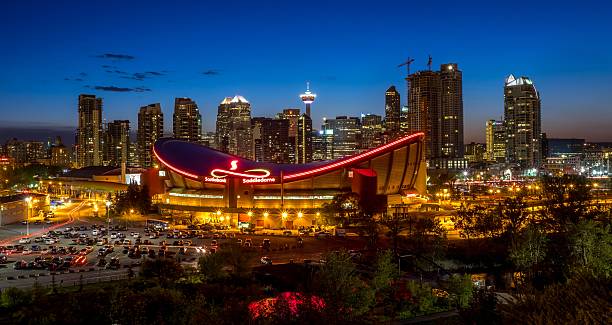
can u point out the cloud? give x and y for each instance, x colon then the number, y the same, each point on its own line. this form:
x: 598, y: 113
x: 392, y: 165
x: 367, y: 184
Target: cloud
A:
x: 75, y: 79
x: 106, y: 66
x: 119, y: 89
x: 143, y: 75
x: 114, y: 56
x: 211, y: 72
x: 83, y: 74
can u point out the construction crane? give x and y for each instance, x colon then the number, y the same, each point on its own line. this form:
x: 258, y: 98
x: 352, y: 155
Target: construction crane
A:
x: 407, y: 64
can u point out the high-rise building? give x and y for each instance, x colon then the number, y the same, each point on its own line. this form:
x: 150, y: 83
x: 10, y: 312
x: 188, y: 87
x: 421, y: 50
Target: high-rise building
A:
x: 234, y: 132
x: 303, y: 144
x: 209, y: 139
x: 89, y: 132
x: 270, y: 140
x: 346, y: 134
x: 424, y: 105
x: 187, y: 120
x: 451, y: 111
x: 117, y: 143
x: 474, y: 152
x: 323, y: 144
x: 25, y: 152
x: 371, y: 131
x: 150, y: 129
x: 393, y: 111
x: 435, y: 103
x: 292, y: 115
x: 308, y: 98
x: 522, y: 118
x: 495, y: 141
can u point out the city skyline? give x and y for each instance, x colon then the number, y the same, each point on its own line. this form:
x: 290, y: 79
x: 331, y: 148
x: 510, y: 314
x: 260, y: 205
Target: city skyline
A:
x: 349, y: 68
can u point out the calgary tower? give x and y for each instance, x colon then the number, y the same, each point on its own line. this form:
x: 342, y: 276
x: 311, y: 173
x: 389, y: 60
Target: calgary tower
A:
x: 308, y: 97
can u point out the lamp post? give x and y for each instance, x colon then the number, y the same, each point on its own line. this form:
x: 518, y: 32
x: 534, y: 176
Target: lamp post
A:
x: 108, y: 219
x: 1, y: 214
x: 29, y: 207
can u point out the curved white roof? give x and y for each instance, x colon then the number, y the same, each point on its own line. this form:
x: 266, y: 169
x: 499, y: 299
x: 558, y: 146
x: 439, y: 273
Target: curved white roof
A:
x: 239, y: 99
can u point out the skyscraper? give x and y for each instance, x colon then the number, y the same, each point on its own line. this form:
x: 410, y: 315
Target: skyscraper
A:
x: 435, y: 105
x: 292, y: 115
x: 424, y: 105
x: 346, y: 133
x: 117, y: 143
x: 186, y: 120
x: 271, y: 139
x: 234, y: 132
x: 495, y: 141
x: 451, y: 110
x: 303, y: 144
x: 371, y: 131
x: 392, y: 112
x: 522, y: 118
x: 150, y: 129
x: 89, y: 132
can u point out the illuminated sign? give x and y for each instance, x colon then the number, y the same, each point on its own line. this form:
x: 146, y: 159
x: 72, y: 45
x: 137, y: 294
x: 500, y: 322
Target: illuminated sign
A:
x: 161, y: 173
x: 251, y: 173
x: 258, y: 180
x: 132, y: 179
x: 215, y: 180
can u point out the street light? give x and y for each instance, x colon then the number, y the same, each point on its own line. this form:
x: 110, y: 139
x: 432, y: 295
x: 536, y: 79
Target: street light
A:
x: 300, y: 214
x: 266, y: 214
x: 284, y: 215
x: 29, y: 201
x: 108, y: 219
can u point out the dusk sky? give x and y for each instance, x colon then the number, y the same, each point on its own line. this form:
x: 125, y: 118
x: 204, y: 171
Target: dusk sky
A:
x: 136, y: 53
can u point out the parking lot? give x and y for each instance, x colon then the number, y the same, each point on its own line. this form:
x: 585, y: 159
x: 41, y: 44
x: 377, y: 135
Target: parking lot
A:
x: 83, y: 248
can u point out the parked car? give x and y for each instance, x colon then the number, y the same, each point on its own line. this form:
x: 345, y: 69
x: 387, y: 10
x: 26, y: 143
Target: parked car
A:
x: 266, y: 260
x: 25, y: 240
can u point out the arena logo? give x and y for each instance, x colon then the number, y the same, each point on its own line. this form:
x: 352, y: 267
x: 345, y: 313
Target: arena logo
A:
x: 256, y: 173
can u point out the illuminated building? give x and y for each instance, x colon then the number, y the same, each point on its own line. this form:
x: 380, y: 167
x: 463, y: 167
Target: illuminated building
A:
x: 346, y: 133
x: 371, y: 131
x: 187, y: 120
x: 435, y: 103
x: 117, y: 143
x: 393, y: 112
x: 25, y: 152
x: 474, y: 152
x: 234, y: 133
x: 150, y: 129
x: 308, y: 98
x: 323, y: 145
x: 451, y: 111
x: 523, y: 120
x: 89, y: 132
x: 495, y: 141
x: 203, y: 181
x: 60, y: 155
x: 303, y: 143
x: 271, y: 139
x: 292, y: 115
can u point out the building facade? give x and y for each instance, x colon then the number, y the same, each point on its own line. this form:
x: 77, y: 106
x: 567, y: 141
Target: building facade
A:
x: 523, y: 120
x: 371, y: 131
x: 117, y: 143
x: 234, y: 132
x: 346, y: 132
x: 89, y: 132
x: 393, y: 111
x: 495, y: 133
x: 187, y: 120
x: 303, y: 143
x: 150, y: 129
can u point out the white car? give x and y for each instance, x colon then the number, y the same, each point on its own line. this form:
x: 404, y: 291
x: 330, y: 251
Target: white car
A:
x: 49, y: 241
x: 25, y: 240
x: 136, y: 235
x: 26, y: 251
x: 113, y: 236
x: 94, y: 232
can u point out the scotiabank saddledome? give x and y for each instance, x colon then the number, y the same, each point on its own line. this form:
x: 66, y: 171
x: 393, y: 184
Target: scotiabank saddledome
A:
x: 202, y: 179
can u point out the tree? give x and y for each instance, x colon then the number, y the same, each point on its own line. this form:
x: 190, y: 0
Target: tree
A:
x: 530, y: 249
x: 514, y: 215
x: 238, y: 259
x: 591, y: 248
x: 396, y: 223
x: 565, y: 200
x: 461, y: 289
x: 385, y: 272
x: 342, y: 209
x: 466, y: 220
x: 165, y: 270
x: 134, y: 198
x: 346, y: 296
x: 211, y: 267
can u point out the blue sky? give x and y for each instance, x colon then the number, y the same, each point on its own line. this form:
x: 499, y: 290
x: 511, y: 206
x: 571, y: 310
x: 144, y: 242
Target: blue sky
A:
x: 349, y: 50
